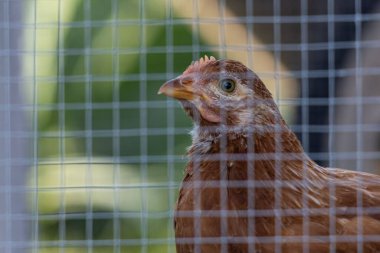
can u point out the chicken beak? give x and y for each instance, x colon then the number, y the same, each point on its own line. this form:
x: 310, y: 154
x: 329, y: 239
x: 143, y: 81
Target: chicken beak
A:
x: 176, y: 89
x: 182, y: 89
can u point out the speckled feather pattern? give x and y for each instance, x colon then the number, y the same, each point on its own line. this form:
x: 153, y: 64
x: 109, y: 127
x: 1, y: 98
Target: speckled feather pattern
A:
x: 249, y: 180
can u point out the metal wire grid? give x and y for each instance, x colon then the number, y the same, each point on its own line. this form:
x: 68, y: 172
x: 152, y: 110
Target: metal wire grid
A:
x: 170, y: 158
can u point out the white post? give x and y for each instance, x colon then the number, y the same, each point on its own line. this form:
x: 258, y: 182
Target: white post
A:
x: 14, y: 153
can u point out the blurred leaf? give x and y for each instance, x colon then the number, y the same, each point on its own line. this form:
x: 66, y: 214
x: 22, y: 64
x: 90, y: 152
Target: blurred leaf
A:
x: 90, y: 196
x: 107, y: 186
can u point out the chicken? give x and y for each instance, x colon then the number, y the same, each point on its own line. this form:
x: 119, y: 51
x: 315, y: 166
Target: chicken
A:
x: 249, y: 186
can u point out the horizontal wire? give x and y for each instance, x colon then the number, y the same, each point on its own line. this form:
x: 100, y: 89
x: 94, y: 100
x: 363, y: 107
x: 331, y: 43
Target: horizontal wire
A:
x: 312, y: 46
x: 365, y: 17
x: 274, y: 239
x: 367, y: 155
x: 162, y: 104
x: 162, y: 77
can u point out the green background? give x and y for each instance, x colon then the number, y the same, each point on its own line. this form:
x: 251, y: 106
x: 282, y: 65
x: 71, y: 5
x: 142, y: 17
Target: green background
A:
x: 110, y: 150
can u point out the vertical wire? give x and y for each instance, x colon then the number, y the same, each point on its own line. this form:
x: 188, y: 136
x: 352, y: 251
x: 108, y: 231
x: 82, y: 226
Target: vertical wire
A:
x: 359, y: 117
x: 223, y: 170
x: 170, y: 120
x: 222, y: 29
x: 331, y: 82
x: 8, y: 136
x: 305, y: 118
x: 195, y: 30
x: 278, y: 130
x: 88, y: 122
x: 305, y: 88
x: 251, y: 224
x: 35, y: 108
x: 197, y: 176
x: 61, y: 125
x: 249, y: 19
x: 143, y: 128
x: 305, y: 82
x: 116, y: 126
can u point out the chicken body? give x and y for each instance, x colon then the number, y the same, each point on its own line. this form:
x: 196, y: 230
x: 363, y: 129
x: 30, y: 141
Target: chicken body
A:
x: 249, y: 186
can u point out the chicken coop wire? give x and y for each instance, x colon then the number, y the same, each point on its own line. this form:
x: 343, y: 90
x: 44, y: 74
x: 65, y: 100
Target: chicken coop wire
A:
x: 93, y: 158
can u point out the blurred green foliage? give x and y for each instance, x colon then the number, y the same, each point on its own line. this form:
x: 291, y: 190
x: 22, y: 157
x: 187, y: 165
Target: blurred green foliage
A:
x: 97, y: 74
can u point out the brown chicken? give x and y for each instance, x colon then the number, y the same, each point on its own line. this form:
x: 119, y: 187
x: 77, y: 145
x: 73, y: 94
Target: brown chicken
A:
x: 249, y: 186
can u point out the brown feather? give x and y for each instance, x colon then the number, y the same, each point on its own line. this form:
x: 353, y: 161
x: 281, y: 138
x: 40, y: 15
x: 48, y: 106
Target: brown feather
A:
x: 249, y: 186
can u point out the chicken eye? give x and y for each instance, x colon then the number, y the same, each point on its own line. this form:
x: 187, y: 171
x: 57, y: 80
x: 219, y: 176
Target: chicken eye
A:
x: 227, y: 85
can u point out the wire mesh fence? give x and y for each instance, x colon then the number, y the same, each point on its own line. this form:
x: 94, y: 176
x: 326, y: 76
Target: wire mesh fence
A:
x: 92, y: 158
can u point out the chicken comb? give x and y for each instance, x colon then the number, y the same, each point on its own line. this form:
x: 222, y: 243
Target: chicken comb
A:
x: 196, y: 65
